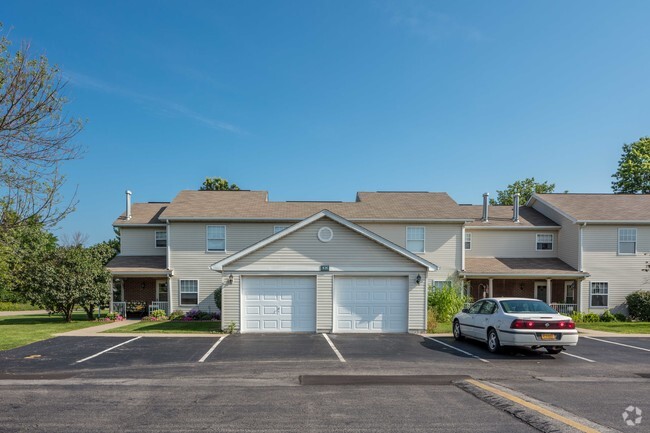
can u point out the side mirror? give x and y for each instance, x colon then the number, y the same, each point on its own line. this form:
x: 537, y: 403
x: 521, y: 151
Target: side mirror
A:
x: 465, y: 310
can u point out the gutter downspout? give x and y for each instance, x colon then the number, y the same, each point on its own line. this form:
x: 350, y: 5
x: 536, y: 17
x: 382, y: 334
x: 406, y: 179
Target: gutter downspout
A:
x: 462, y: 248
x: 580, y: 265
x: 170, y: 298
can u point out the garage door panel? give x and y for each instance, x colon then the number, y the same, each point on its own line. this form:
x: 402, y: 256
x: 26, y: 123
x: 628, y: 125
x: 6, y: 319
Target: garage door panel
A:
x: 371, y: 304
x: 279, y: 304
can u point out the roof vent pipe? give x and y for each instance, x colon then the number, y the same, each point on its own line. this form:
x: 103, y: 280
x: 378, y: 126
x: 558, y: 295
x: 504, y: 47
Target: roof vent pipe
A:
x: 485, y: 207
x: 128, y: 204
x: 515, y: 209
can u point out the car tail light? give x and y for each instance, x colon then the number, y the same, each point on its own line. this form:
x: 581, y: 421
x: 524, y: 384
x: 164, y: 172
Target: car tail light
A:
x: 537, y: 324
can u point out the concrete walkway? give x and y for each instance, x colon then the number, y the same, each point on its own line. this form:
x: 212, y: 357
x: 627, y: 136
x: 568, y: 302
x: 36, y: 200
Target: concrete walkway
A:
x: 21, y: 313
x: 594, y: 333
x: 98, y: 331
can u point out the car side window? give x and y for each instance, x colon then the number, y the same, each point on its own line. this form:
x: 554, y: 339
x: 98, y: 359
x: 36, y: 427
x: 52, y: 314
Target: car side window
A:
x: 488, y: 308
x: 474, y: 309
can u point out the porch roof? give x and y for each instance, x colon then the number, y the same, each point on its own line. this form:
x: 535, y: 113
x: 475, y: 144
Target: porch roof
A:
x: 487, y: 267
x: 154, y: 266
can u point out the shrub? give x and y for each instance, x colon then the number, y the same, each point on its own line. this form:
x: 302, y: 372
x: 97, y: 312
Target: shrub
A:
x: 620, y: 317
x: 151, y: 319
x: 579, y: 317
x: 447, y: 300
x: 638, y: 304
x: 113, y: 317
x: 230, y: 328
x: 159, y: 314
x: 607, y: 316
x: 432, y: 320
x: 177, y: 315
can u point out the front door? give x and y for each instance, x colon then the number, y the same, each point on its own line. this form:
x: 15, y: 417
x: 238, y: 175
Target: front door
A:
x: 540, y: 291
x: 162, y: 292
x: 570, y: 292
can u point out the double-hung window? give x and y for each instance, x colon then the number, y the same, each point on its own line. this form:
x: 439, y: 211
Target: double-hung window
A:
x: 189, y: 292
x: 415, y: 239
x: 440, y: 284
x: 598, y: 294
x: 216, y: 238
x: 627, y: 241
x: 468, y: 241
x: 161, y: 239
x: 544, y: 242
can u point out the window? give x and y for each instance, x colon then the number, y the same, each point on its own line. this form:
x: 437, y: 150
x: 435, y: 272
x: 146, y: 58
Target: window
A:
x: 475, y: 308
x: 278, y: 229
x: 439, y: 284
x: 598, y: 294
x: 161, y: 239
x: 488, y: 307
x: 544, y: 242
x: 468, y: 241
x: 415, y: 239
x: 216, y: 236
x: 189, y: 292
x: 627, y: 241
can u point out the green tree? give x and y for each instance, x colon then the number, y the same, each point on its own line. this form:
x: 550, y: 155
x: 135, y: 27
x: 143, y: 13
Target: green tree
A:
x: 217, y: 184
x: 67, y: 277
x: 35, y: 137
x: 525, y: 188
x: 633, y: 174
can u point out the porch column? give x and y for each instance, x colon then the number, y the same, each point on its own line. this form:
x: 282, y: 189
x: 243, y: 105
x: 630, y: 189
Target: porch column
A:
x: 549, y: 289
x: 110, y: 308
x: 491, y: 287
x: 169, y: 296
x: 578, y: 295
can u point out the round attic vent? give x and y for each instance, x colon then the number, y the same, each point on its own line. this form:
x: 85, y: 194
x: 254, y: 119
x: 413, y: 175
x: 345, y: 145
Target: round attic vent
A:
x: 325, y: 234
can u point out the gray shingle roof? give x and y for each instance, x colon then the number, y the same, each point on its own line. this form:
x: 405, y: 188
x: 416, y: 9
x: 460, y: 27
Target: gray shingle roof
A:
x: 143, y: 213
x: 138, y: 265
x: 601, y: 207
x: 499, y: 216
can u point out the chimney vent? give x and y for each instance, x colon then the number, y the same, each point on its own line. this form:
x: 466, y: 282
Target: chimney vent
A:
x: 128, y: 204
x: 515, y: 209
x: 485, y: 207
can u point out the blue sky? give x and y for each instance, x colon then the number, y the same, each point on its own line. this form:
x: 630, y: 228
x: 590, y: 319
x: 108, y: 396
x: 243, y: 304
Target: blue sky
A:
x: 315, y: 100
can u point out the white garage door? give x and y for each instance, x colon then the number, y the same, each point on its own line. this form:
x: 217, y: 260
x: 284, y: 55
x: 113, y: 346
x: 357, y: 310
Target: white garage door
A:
x: 370, y: 304
x: 279, y: 304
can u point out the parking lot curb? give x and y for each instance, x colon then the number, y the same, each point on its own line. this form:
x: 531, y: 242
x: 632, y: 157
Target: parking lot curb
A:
x: 593, y: 333
x: 537, y: 414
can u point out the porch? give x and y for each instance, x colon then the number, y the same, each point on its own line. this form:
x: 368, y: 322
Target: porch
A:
x: 549, y: 280
x: 140, y: 285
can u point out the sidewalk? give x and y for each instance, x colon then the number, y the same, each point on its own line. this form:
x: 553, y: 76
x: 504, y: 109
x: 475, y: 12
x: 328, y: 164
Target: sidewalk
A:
x: 594, y: 333
x: 21, y: 313
x: 97, y: 331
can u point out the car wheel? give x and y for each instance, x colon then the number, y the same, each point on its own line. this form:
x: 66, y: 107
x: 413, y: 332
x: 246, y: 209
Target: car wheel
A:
x: 554, y: 350
x: 456, y: 329
x: 494, y: 346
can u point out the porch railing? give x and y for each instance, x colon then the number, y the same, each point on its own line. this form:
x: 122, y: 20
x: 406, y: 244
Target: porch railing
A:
x: 119, y: 307
x: 157, y: 305
x: 564, y: 308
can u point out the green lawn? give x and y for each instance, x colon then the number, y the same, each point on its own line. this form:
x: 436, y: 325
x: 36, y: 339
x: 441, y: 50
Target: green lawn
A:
x: 171, y: 327
x: 621, y: 327
x: 441, y: 328
x: 16, y: 331
x: 11, y: 306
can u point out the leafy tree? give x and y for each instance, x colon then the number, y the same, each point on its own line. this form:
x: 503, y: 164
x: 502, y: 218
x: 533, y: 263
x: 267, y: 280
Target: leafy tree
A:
x: 35, y: 137
x: 21, y: 246
x: 69, y: 276
x: 525, y: 188
x: 217, y: 184
x: 633, y: 174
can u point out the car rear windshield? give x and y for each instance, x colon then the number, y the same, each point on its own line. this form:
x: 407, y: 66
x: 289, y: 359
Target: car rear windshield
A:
x: 526, y: 306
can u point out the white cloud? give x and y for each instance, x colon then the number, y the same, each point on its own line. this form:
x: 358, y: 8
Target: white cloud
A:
x: 87, y: 82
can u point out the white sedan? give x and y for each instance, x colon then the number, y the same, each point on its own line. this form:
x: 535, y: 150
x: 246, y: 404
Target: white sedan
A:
x: 515, y: 322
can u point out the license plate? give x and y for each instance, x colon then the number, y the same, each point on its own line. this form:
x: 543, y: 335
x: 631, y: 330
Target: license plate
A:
x: 547, y: 337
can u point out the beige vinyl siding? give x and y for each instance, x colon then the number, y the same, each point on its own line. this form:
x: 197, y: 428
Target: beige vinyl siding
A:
x: 302, y: 251
x: 230, y: 301
x: 602, y: 261
x: 509, y: 243
x: 417, y: 314
x: 140, y: 242
x: 443, y: 243
x: 191, y: 261
x: 568, y: 237
x: 324, y: 284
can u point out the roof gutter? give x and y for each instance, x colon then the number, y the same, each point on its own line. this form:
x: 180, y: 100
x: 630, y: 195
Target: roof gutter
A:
x: 507, y: 276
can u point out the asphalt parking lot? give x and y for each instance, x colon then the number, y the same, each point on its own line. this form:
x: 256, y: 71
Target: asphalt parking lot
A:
x: 595, y: 380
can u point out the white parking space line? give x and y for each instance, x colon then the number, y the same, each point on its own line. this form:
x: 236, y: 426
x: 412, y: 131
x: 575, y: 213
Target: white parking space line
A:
x: 214, y: 346
x: 459, y: 350
x: 618, y: 344
x: 576, y: 356
x: 334, y: 348
x: 107, y: 350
